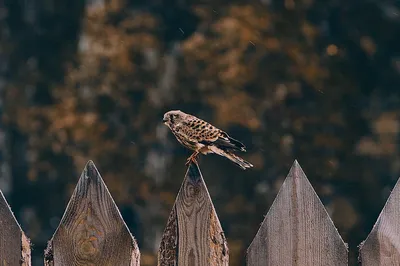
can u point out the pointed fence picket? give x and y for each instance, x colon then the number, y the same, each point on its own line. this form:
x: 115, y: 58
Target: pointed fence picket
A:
x: 297, y: 230
x: 92, y: 231
x: 193, y: 235
x: 14, y: 245
x: 382, y: 246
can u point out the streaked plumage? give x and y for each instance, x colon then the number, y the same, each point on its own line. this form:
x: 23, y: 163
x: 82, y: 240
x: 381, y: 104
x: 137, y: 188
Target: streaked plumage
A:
x: 202, y: 137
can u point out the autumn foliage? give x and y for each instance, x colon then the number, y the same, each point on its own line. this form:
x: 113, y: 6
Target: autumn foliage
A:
x: 291, y: 79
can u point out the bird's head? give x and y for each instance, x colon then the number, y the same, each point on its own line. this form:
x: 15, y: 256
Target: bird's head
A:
x: 174, y: 117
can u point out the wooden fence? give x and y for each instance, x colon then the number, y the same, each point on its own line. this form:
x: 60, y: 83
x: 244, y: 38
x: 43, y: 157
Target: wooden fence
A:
x: 297, y: 230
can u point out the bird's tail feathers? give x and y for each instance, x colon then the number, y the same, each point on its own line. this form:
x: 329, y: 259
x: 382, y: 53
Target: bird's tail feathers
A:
x: 239, y: 161
x: 240, y: 146
x: 233, y: 157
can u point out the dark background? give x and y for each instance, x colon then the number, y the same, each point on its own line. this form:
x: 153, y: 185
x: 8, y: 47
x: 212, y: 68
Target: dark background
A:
x: 316, y: 81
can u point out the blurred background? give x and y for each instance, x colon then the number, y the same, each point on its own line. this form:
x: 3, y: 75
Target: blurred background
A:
x: 316, y: 81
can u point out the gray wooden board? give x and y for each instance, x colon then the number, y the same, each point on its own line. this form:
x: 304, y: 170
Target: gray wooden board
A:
x: 14, y: 245
x: 92, y: 231
x: 297, y: 230
x: 193, y: 235
x: 382, y: 246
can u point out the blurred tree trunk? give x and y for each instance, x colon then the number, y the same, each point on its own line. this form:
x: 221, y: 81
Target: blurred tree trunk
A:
x: 37, y: 38
x: 5, y: 175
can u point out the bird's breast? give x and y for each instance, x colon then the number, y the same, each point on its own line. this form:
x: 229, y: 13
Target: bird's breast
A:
x: 185, y: 142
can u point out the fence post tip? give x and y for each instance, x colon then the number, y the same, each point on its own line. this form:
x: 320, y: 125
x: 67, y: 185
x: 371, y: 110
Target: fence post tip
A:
x: 193, y: 173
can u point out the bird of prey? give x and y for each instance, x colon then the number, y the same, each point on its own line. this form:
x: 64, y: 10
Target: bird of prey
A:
x: 202, y: 137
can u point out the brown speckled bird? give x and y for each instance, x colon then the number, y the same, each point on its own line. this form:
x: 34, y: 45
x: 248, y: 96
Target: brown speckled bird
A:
x: 202, y: 137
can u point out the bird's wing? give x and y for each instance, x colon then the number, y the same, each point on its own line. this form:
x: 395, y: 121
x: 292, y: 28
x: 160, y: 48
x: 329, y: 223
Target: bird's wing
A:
x: 225, y: 141
x: 185, y: 135
x: 199, y: 131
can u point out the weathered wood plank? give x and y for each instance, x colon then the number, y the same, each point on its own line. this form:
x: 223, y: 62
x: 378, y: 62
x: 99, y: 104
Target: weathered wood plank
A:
x: 92, y: 231
x: 14, y: 245
x: 193, y: 235
x: 382, y: 246
x: 297, y: 230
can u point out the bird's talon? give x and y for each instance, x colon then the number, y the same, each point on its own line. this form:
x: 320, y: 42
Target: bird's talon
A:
x: 192, y: 159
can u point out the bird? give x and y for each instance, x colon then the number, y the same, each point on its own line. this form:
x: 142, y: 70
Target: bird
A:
x: 202, y: 137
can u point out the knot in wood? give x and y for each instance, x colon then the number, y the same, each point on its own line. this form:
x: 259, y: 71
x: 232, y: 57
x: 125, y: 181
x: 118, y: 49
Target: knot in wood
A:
x: 87, y: 247
x: 192, y: 190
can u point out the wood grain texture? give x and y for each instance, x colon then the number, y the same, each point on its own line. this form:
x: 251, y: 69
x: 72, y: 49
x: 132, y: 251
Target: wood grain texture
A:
x: 382, y: 246
x: 193, y: 235
x: 297, y: 230
x: 14, y: 245
x: 92, y: 231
